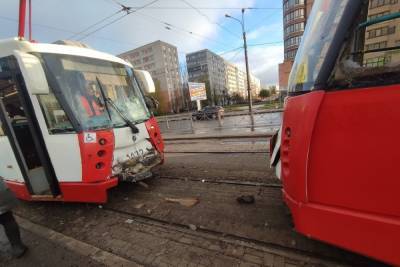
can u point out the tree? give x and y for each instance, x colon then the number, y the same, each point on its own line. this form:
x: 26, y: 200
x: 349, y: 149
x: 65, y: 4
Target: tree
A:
x: 264, y: 93
x: 161, y: 98
x: 272, y: 89
x: 237, y: 98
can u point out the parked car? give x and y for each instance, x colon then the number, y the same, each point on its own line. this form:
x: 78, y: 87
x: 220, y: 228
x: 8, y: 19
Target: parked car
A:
x: 208, y: 112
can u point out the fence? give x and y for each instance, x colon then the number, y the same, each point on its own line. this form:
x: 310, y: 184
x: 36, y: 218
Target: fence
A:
x: 239, y: 121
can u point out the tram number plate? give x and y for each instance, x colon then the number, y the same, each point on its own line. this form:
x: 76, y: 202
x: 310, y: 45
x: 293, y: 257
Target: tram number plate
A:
x: 137, y: 153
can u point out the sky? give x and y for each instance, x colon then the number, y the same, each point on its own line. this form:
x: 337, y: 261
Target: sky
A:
x: 190, y: 25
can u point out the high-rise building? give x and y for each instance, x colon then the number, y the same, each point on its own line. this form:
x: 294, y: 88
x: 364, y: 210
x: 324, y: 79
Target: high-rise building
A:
x: 208, y: 67
x: 224, y: 78
x: 295, y: 14
x: 161, y: 60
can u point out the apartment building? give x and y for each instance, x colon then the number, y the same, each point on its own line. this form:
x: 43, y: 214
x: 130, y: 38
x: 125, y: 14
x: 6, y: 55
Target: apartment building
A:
x: 161, y: 60
x: 382, y: 35
x: 225, y: 79
x: 255, y: 85
x: 208, y: 67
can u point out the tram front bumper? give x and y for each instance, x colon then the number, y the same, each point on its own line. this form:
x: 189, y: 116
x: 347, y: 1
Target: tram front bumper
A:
x: 87, y: 192
x: 137, y: 170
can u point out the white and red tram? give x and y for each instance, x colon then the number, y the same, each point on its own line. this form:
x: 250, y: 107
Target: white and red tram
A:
x: 74, y: 122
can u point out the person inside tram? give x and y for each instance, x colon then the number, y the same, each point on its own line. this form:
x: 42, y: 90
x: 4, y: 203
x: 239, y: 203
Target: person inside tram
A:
x: 90, y: 100
x: 14, y: 112
x: 11, y: 228
x: 85, y: 93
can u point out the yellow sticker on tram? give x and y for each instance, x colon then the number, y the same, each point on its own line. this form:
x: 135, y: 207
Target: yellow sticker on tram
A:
x: 302, y: 72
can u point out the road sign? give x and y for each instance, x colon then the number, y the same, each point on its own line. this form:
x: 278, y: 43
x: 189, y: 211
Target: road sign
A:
x: 197, y: 91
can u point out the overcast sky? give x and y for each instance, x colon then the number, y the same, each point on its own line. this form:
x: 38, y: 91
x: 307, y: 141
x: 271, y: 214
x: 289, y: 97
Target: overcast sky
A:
x: 189, y: 29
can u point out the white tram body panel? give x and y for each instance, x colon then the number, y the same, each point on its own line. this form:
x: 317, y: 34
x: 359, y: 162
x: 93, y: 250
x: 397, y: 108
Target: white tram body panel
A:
x: 71, y: 157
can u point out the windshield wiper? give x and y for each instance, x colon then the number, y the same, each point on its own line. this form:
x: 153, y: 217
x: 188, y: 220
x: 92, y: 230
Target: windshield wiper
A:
x: 62, y: 130
x: 120, y: 113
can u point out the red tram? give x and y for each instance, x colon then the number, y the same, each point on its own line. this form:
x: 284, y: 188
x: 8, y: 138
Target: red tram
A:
x: 338, y: 149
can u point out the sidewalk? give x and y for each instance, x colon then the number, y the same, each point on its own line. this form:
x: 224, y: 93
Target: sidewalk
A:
x: 49, y: 248
x: 41, y: 252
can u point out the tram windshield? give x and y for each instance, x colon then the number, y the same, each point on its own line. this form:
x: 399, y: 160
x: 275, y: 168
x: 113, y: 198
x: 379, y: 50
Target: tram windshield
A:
x: 85, y: 87
x: 348, y: 44
x: 323, y: 37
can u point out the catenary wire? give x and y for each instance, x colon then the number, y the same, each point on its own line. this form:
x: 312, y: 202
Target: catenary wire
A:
x: 210, y: 20
x: 128, y: 12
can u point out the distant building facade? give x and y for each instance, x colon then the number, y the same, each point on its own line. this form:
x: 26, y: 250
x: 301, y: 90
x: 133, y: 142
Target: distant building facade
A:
x: 295, y: 14
x: 255, y: 85
x: 224, y: 78
x: 382, y: 35
x: 208, y: 67
x: 161, y: 60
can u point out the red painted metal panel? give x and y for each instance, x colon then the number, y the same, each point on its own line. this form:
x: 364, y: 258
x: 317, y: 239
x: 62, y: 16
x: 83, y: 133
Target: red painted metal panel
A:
x: 87, y: 192
x: 373, y: 236
x: 71, y: 192
x: 155, y: 135
x: 354, y: 153
x: 19, y: 189
x: 97, y: 156
x: 298, y: 123
x: 342, y: 184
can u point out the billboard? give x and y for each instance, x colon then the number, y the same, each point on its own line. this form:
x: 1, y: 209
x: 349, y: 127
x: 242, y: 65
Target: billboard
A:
x: 197, y: 91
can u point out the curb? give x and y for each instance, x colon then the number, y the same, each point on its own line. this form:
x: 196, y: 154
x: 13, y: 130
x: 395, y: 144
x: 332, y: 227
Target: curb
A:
x: 216, y: 137
x: 96, y: 254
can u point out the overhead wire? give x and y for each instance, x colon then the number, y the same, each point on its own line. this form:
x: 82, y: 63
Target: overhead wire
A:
x: 234, y: 55
x: 229, y: 51
x: 72, y: 32
x: 213, y: 8
x: 210, y: 20
x: 269, y: 43
x: 128, y: 11
x: 169, y: 26
x: 95, y: 24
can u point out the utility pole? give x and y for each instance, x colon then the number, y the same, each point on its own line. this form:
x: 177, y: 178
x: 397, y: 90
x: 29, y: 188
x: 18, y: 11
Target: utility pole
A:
x: 246, y: 60
x: 247, y: 65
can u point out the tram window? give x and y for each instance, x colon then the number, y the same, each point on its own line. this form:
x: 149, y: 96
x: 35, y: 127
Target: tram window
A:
x: 82, y: 82
x: 371, y: 56
x: 56, y: 119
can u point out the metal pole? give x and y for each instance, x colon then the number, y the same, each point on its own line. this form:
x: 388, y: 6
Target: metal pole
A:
x: 247, y: 65
x: 30, y: 20
x: 21, y: 21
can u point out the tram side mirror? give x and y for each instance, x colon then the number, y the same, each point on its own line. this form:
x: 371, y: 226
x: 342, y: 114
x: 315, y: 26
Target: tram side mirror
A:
x: 34, y: 76
x: 145, y: 81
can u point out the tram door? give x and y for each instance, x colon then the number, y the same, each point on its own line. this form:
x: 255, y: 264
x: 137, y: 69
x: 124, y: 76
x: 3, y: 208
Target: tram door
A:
x: 19, y: 125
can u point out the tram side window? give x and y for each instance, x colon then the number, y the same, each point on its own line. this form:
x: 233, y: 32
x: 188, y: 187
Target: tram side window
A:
x: 56, y: 118
x: 371, y: 57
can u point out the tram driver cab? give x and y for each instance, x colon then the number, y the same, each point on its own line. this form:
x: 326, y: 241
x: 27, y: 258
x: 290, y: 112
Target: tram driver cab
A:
x: 74, y: 122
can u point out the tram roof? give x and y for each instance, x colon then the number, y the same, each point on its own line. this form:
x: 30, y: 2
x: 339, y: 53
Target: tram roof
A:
x: 8, y: 46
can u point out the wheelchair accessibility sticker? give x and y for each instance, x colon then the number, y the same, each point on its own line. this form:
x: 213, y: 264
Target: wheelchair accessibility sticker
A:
x: 89, y: 138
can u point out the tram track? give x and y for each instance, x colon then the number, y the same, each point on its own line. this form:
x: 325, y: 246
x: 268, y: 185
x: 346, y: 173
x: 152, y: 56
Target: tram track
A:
x: 222, y: 181
x: 229, y: 238
x: 216, y: 152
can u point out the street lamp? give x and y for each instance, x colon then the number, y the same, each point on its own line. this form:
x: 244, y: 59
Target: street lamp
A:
x: 245, y: 57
